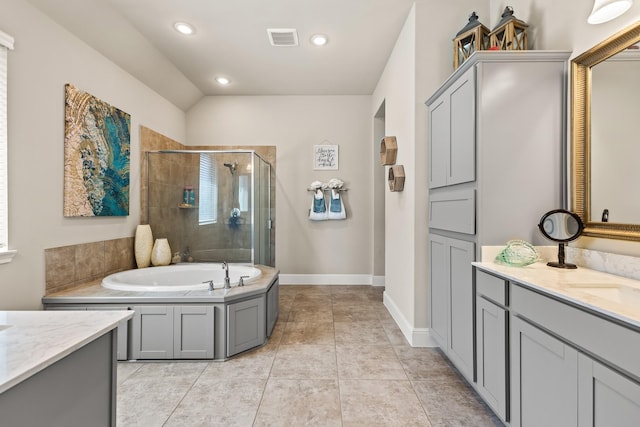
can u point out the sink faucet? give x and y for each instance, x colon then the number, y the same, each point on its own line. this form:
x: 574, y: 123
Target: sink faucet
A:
x: 227, y: 281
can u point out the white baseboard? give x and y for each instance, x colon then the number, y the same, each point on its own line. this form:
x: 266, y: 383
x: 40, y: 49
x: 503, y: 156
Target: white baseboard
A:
x: 377, y: 281
x: 327, y: 279
x: 417, y: 337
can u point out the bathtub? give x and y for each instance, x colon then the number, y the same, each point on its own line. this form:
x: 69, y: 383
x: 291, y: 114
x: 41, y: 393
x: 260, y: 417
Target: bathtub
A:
x: 178, y: 277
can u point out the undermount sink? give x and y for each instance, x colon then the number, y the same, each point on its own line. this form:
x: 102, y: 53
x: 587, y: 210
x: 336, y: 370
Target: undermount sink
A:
x: 610, y: 291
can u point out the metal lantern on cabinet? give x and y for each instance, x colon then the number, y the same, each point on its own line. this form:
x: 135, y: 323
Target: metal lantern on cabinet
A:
x: 510, y: 33
x: 474, y: 36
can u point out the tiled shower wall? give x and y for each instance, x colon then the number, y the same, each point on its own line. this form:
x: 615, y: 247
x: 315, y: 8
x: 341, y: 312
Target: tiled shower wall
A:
x: 69, y: 266
x: 169, y: 176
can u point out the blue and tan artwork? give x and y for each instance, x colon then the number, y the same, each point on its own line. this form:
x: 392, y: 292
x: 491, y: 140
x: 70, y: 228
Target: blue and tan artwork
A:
x: 96, y: 156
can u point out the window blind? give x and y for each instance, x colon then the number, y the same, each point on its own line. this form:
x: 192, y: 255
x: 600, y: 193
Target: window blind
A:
x: 6, y: 43
x: 208, y: 203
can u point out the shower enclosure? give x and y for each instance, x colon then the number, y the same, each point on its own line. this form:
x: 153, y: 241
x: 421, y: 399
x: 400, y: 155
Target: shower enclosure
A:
x: 213, y: 206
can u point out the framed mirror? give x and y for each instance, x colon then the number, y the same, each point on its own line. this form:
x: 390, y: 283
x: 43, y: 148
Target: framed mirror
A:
x: 603, y: 153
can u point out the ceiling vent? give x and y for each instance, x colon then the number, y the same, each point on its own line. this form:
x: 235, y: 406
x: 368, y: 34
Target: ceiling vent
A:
x: 283, y: 36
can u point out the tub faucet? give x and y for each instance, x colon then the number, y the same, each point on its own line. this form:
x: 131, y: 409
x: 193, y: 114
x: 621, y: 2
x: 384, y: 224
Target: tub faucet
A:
x: 227, y: 281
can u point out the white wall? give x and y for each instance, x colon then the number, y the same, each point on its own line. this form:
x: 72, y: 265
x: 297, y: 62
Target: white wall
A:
x: 294, y: 124
x: 421, y: 60
x: 563, y: 25
x: 45, y: 58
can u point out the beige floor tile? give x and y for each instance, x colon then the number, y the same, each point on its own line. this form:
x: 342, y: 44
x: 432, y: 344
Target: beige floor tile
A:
x: 298, y: 403
x: 255, y: 364
x: 453, y: 403
x: 343, y: 313
x: 299, y: 361
x: 323, y: 333
x: 151, y: 393
x: 126, y: 369
x: 371, y: 362
x: 320, y: 333
x: 425, y: 364
x: 380, y: 403
x: 219, y: 402
x: 364, y: 333
x: 317, y: 301
x: 311, y: 314
x: 394, y: 334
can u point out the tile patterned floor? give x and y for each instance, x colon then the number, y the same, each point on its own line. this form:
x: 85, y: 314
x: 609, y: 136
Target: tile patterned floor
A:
x: 336, y: 358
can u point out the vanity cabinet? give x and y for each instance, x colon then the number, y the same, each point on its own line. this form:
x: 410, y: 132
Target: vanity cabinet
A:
x: 491, y: 342
x: 544, y: 378
x: 246, y: 325
x: 172, y: 332
x: 452, y: 299
x: 122, y: 329
x: 496, y: 137
x: 273, y: 302
x: 600, y: 366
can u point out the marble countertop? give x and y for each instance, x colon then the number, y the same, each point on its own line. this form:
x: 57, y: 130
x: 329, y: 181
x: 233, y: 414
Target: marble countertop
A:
x: 93, y: 292
x: 613, y: 296
x: 33, y: 340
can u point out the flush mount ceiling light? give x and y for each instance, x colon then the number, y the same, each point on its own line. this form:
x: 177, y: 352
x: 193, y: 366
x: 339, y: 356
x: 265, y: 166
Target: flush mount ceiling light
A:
x: 606, y: 10
x: 319, y: 39
x: 223, y: 81
x: 184, y: 28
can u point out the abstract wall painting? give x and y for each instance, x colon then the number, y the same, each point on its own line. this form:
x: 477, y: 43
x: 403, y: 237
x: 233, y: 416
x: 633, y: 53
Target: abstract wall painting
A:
x: 96, y: 156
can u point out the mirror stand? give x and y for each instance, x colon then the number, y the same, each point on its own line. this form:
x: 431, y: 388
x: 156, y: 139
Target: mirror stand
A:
x: 561, y: 263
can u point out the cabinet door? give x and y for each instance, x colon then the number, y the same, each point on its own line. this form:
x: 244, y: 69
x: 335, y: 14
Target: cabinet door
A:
x: 439, y: 290
x: 152, y: 332
x: 461, y: 255
x: 452, y: 133
x: 462, y: 107
x: 273, y: 302
x: 193, y: 332
x: 245, y: 325
x: 491, y: 355
x: 123, y: 331
x: 544, y: 374
x: 606, y: 398
x: 439, y: 142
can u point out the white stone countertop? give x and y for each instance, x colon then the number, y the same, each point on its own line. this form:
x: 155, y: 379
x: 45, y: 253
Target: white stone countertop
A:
x: 593, y: 290
x: 33, y: 340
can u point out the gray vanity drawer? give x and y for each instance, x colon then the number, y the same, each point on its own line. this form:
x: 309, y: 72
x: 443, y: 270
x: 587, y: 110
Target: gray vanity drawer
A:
x: 588, y: 331
x: 453, y: 211
x: 491, y: 287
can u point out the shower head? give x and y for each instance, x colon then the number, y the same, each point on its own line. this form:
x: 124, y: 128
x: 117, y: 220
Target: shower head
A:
x: 232, y: 166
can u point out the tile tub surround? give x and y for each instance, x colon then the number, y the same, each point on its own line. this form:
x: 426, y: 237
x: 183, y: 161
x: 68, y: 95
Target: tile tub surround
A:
x: 565, y: 284
x: 37, y: 339
x: 307, y: 375
x: 71, y: 266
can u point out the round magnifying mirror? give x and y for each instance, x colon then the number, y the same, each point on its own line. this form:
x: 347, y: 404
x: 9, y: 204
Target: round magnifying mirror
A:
x: 561, y: 226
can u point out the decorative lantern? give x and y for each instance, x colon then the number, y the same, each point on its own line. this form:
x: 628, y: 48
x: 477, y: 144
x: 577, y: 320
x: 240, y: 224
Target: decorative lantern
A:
x: 474, y: 36
x: 510, y: 33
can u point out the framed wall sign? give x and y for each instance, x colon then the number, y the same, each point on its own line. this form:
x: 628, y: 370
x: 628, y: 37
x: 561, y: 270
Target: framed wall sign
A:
x: 325, y: 157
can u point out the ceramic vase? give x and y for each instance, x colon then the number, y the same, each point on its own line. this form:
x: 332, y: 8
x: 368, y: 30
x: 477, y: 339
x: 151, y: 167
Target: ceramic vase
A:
x: 161, y: 253
x: 143, y: 243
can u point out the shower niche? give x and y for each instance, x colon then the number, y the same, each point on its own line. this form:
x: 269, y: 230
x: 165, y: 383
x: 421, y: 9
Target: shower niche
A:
x: 213, y: 206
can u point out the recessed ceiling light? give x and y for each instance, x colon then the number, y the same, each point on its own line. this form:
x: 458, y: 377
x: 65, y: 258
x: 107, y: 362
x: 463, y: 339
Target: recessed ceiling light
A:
x: 184, y: 28
x: 223, y: 81
x: 319, y: 39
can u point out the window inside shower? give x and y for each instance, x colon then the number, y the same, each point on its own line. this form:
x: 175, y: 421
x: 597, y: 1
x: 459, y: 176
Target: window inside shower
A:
x: 212, y: 206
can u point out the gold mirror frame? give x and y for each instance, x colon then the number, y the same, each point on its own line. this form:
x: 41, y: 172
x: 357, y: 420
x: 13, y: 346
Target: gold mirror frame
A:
x: 581, y: 134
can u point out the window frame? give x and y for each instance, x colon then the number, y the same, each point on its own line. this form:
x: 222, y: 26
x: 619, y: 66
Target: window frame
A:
x: 6, y: 254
